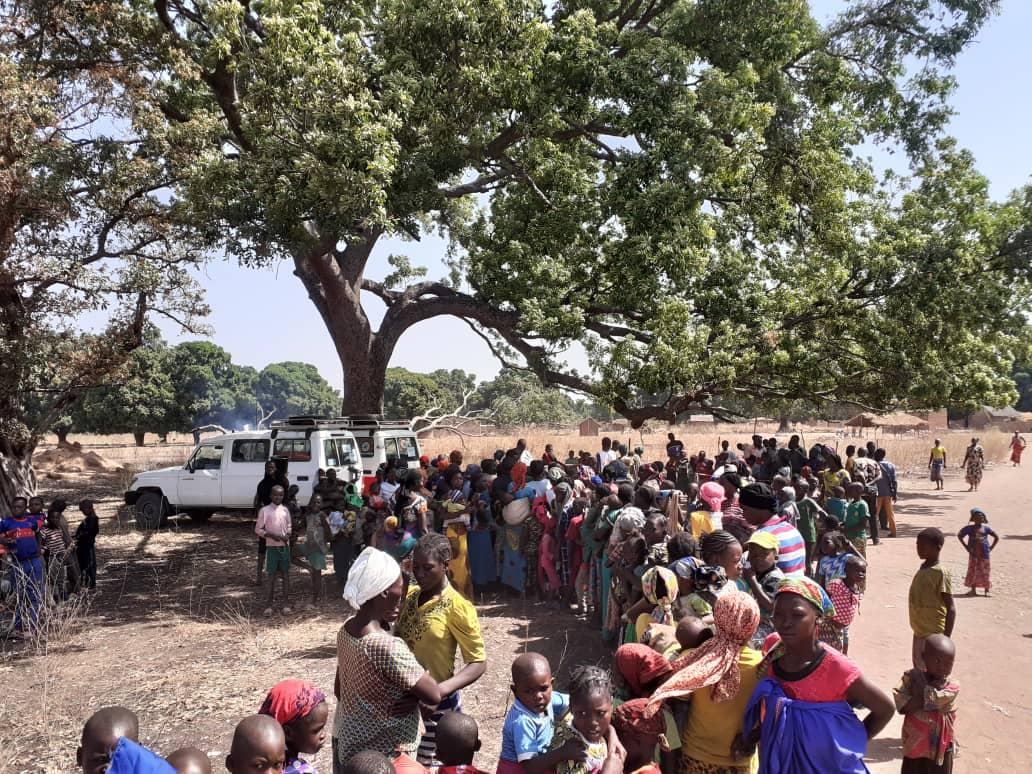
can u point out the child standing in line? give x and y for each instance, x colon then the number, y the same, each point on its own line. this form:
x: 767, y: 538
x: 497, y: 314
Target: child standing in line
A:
x: 257, y: 738
x: 458, y: 740
x: 55, y: 553
x: 317, y: 544
x: 854, y: 527
x: 978, y: 548
x: 835, y: 504
x: 810, y: 515
x: 587, y: 725
x: 273, y: 524
x: 189, y: 760
x: 101, y: 734
x: 835, y: 549
x: 85, y: 545
x: 301, y: 709
x: 530, y: 721
x: 763, y: 576
x: 845, y: 595
x: 928, y: 701
x: 931, y: 594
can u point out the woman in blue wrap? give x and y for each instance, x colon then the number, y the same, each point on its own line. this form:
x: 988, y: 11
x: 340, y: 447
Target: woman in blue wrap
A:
x: 800, y: 713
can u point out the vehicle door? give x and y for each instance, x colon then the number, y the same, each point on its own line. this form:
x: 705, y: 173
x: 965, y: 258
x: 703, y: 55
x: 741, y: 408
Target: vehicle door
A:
x: 408, y: 450
x: 200, y: 481
x: 247, y: 458
x: 296, y: 452
x: 340, y: 452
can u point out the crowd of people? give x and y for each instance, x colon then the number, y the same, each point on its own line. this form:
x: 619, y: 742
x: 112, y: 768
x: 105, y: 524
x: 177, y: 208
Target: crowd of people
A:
x: 726, y: 585
x: 42, y: 561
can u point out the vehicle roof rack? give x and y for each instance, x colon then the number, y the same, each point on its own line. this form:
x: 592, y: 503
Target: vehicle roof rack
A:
x: 353, y: 422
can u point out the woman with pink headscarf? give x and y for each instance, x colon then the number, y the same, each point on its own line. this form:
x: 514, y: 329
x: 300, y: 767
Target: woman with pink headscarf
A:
x: 717, y: 679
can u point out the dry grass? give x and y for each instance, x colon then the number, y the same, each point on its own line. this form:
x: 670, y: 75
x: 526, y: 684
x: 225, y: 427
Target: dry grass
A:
x: 908, y: 451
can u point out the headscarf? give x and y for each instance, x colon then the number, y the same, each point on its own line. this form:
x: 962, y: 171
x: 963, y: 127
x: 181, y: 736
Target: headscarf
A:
x: 641, y: 666
x: 685, y: 567
x: 630, y: 519
x: 735, y: 617
x: 291, y: 700
x: 709, y: 577
x: 372, y: 573
x: 811, y: 591
x: 632, y: 719
x: 651, y: 587
x: 712, y: 494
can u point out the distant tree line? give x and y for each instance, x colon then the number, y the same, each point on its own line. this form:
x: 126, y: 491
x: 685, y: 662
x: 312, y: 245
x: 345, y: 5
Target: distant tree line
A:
x: 192, y: 384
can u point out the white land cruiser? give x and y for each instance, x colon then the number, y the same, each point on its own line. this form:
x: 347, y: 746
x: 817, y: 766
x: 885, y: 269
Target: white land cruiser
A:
x: 382, y: 441
x: 223, y: 472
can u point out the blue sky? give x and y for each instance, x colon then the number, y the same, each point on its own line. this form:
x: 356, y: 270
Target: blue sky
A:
x: 263, y: 316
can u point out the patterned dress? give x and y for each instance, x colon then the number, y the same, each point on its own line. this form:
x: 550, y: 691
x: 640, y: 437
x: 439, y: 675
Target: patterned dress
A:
x: 597, y: 751
x: 978, y: 568
x: 376, y: 671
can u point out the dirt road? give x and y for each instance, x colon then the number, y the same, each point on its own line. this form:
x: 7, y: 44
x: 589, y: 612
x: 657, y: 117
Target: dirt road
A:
x: 177, y: 634
x: 993, y: 635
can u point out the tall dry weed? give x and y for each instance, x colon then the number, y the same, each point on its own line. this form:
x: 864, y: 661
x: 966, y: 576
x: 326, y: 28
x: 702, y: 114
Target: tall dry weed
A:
x: 908, y: 451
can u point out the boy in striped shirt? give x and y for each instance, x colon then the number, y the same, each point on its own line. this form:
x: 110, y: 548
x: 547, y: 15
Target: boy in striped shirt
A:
x: 758, y: 505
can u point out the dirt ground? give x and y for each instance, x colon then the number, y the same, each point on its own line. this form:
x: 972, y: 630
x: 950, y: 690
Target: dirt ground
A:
x: 177, y: 634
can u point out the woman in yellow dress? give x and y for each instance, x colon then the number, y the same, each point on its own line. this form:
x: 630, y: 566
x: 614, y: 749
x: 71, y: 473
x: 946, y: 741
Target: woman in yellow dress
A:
x: 456, y: 528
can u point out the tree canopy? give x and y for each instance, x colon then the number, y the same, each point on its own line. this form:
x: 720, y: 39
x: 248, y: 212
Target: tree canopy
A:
x: 91, y: 244
x: 195, y: 383
x: 674, y: 185
x: 513, y: 398
x: 290, y: 388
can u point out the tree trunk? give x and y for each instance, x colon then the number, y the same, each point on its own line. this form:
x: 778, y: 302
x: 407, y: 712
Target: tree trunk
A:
x: 784, y: 423
x: 62, y: 436
x: 363, y: 386
x: 138, y: 437
x: 17, y: 478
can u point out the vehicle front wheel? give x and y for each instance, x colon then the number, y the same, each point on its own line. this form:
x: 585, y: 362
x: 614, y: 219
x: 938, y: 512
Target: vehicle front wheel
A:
x: 151, y: 512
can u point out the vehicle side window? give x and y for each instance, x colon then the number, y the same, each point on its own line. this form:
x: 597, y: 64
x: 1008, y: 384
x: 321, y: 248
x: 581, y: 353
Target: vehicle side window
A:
x: 207, y: 458
x: 253, y: 450
x: 390, y: 448
x: 294, y: 449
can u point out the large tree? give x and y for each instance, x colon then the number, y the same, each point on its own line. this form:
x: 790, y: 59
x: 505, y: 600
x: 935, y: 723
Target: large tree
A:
x: 672, y: 184
x: 90, y: 242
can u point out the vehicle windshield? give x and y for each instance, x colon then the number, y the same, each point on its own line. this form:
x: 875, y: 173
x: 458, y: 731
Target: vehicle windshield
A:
x: 339, y: 452
x: 206, y: 457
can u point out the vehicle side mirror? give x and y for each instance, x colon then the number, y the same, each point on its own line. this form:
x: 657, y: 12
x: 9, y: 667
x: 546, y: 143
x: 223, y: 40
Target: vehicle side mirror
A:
x: 189, y: 466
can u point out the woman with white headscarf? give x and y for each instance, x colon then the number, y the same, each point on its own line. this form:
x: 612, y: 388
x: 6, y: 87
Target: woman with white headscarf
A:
x: 379, y: 682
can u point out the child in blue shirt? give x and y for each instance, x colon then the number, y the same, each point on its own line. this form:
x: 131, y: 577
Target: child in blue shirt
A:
x: 20, y: 533
x: 530, y: 722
